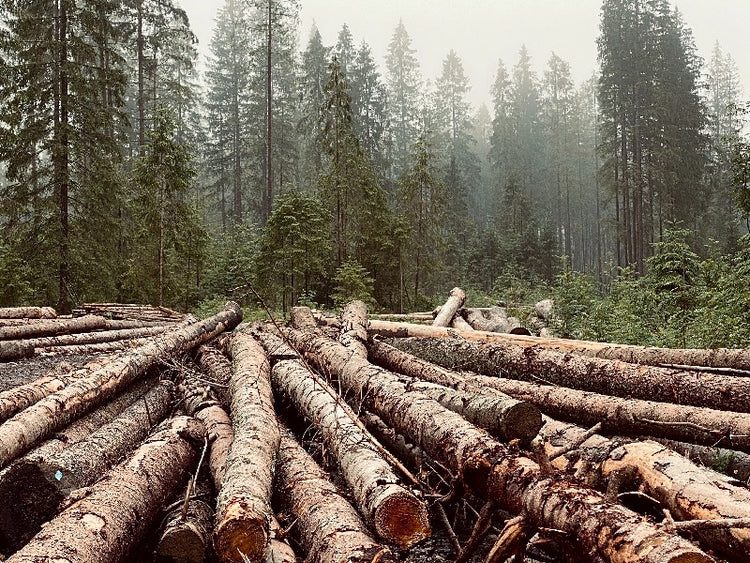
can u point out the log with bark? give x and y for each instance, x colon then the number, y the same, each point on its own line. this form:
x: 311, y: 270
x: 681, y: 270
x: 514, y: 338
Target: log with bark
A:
x: 91, y: 349
x: 131, y: 311
x: 95, y: 337
x: 459, y: 323
x: 27, y: 313
x: 52, y: 327
x: 123, y: 506
x: 452, y: 305
x: 302, y: 318
x: 31, y: 425
x: 244, y: 505
x: 396, y: 514
x: 45, y: 481
x: 14, y: 350
x: 217, y: 370
x: 608, y: 377
x: 503, y: 416
x: 327, y: 526
x: 717, y: 358
x: 730, y: 462
x: 492, y: 321
x: 354, y: 327
x: 20, y: 497
x: 498, y: 472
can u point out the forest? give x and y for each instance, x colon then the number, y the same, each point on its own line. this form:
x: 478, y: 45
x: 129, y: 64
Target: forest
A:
x: 311, y: 175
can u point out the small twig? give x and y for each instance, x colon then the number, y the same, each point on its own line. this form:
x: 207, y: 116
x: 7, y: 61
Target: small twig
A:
x: 448, y: 528
x: 575, y: 444
x: 511, y: 541
x: 718, y: 524
x: 481, y: 528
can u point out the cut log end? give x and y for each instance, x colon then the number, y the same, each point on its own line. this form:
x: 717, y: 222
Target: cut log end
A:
x: 238, y: 539
x: 523, y: 421
x: 402, y: 519
x: 184, y: 544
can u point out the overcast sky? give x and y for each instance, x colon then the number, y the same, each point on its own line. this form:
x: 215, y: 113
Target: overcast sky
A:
x: 483, y: 31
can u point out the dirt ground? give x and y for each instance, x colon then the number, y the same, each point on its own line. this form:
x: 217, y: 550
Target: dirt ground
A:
x: 13, y: 374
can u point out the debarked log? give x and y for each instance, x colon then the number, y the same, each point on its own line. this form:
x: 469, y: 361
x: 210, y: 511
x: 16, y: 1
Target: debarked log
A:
x: 396, y: 514
x: 119, y: 509
x: 448, y: 310
x: 328, y: 527
x: 243, y: 508
x: 608, y: 377
x: 52, y: 327
x: 59, y: 409
x: 498, y: 472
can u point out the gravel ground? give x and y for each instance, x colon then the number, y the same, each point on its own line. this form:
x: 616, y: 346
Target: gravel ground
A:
x: 13, y: 374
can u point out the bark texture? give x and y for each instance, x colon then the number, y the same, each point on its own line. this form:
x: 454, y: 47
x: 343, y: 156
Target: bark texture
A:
x: 186, y: 537
x: 22, y: 498
x: 729, y: 462
x: 503, y: 416
x: 95, y: 337
x: 354, y: 327
x: 302, y: 318
x: 103, y: 527
x: 217, y: 370
x: 608, y: 377
x: 498, y: 472
x: 395, y: 513
x: 328, y: 527
x: 30, y: 426
x: 448, y: 310
x: 52, y: 328
x: 13, y: 350
x: 27, y: 313
x: 632, y: 417
x: 244, y: 505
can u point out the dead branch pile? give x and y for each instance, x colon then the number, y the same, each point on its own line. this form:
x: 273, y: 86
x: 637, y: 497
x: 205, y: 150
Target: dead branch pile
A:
x: 274, y: 443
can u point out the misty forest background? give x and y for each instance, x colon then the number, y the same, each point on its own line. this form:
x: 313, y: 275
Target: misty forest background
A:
x: 126, y: 176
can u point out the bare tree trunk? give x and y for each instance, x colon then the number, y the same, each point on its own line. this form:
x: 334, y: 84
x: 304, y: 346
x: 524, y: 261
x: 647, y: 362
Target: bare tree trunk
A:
x: 608, y: 377
x: 244, y: 505
x: 454, y: 303
x: 103, y: 527
x: 57, y: 410
x: 497, y: 472
x: 395, y: 513
x: 52, y: 327
x: 328, y: 527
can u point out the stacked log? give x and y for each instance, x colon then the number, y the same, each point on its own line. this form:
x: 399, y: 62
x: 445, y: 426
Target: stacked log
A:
x: 126, y: 311
x: 27, y: 313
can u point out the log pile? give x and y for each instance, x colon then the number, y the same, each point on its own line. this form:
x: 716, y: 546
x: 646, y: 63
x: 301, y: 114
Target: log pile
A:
x: 209, y: 441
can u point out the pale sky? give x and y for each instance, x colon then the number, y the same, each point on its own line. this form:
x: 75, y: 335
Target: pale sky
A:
x: 483, y: 31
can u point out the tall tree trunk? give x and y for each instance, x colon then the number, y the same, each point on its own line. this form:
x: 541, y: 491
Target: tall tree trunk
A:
x: 269, y: 116
x: 61, y: 157
x: 141, y: 40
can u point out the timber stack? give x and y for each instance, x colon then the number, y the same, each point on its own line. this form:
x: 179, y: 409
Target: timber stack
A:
x: 350, y: 439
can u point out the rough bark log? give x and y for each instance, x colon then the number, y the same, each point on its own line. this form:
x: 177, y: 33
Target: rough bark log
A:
x: 503, y: 416
x: 104, y: 526
x: 631, y: 417
x: 52, y: 328
x: 608, y: 377
x: 729, y: 462
x: 354, y: 327
x: 27, y: 313
x: 95, y: 337
x: 302, y: 318
x: 244, y: 504
x: 89, y: 349
x: 19, y: 398
x: 187, y: 533
x: 217, y: 370
x: 20, y: 496
x: 129, y: 311
x: 130, y: 324
x: 454, y: 303
x: 498, y: 472
x: 13, y: 350
x: 719, y: 358
x: 328, y: 527
x: 57, y: 410
x: 394, y: 441
x: 395, y: 513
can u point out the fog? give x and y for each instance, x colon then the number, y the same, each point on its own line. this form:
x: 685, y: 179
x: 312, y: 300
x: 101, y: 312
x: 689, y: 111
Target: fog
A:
x: 483, y: 31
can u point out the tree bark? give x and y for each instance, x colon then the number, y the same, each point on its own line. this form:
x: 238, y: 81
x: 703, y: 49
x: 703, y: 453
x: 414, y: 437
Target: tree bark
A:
x: 302, y: 318
x: 57, y: 410
x: 20, y: 497
x: 497, y: 472
x: 354, y: 327
x: 27, y: 313
x: 131, y: 311
x: 52, y: 327
x: 95, y: 337
x: 244, y: 504
x: 503, y: 416
x: 454, y: 303
x: 394, y: 441
x: 328, y: 527
x: 103, y: 527
x: 395, y: 513
x: 733, y: 463
x: 186, y: 537
x: 608, y: 377
x: 218, y: 371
